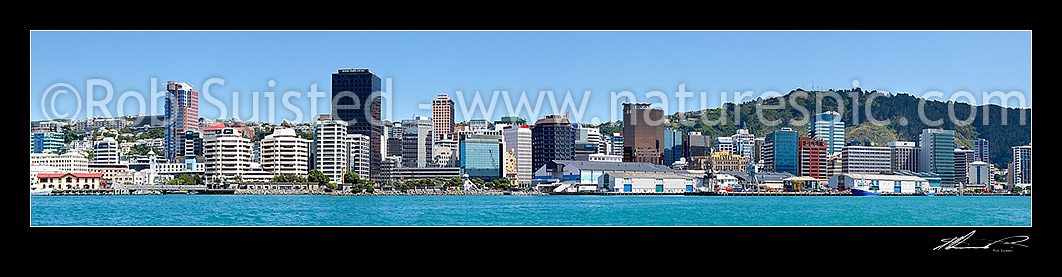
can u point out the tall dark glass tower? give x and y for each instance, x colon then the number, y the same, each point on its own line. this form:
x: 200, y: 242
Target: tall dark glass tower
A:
x: 552, y: 138
x: 356, y: 96
x: 643, y: 134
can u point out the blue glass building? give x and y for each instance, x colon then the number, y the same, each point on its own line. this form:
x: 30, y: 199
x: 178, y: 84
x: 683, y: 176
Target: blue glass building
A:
x: 781, y: 153
x: 552, y: 138
x: 42, y: 141
x: 480, y: 156
x: 672, y: 146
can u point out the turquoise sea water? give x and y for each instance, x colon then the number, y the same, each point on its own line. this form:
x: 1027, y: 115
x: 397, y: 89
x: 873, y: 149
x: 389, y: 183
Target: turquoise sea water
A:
x: 322, y: 210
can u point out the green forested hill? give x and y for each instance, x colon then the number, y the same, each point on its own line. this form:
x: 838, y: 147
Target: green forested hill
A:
x: 899, y: 110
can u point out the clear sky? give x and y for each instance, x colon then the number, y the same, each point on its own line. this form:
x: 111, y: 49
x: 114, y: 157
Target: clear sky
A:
x: 422, y: 64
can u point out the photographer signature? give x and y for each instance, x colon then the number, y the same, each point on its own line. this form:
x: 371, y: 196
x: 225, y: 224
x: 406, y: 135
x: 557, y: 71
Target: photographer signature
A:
x: 956, y: 242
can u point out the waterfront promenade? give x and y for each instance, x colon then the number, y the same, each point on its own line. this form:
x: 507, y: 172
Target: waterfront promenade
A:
x: 480, y: 192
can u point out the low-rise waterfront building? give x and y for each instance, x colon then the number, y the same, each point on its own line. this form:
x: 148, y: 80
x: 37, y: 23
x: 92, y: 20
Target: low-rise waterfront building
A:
x: 110, y: 172
x: 802, y: 183
x: 722, y: 181
x: 70, y: 181
x: 880, y: 183
x: 647, y: 182
x: 760, y: 180
x: 586, y: 173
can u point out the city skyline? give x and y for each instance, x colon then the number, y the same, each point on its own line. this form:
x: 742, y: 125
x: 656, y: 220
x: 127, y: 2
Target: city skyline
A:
x: 261, y: 62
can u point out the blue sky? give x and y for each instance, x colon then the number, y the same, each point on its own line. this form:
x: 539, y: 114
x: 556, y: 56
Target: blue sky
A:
x: 422, y: 64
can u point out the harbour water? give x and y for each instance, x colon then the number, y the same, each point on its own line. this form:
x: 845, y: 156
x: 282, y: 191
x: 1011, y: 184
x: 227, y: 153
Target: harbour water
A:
x: 513, y: 210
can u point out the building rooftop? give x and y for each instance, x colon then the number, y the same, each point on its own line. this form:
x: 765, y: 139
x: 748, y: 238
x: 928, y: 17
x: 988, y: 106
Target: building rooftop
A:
x: 78, y: 175
x: 614, y: 166
x: 553, y: 119
x: 884, y: 177
x: 670, y: 175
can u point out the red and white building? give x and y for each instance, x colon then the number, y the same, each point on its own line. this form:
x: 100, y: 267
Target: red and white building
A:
x: 70, y: 181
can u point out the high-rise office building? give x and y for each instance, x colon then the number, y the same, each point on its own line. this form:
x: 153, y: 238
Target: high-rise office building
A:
x: 617, y: 144
x: 743, y: 142
x: 105, y: 151
x: 643, y: 133
x: 672, y: 146
x: 978, y: 174
x: 226, y: 154
x: 331, y: 147
x: 903, y: 156
x: 193, y: 143
x: 812, y: 157
x: 963, y: 158
x: 936, y: 155
x: 553, y: 138
x: 780, y: 153
x: 981, y: 150
x: 481, y: 156
x: 182, y: 115
x: 695, y: 144
x: 724, y: 144
x: 518, y: 140
x: 1022, y: 161
x: 284, y: 152
x: 828, y: 127
x: 442, y: 115
x: 757, y: 151
x: 359, y: 154
x: 394, y: 140
x: 356, y: 100
x: 866, y: 159
x: 417, y: 142
x: 590, y: 135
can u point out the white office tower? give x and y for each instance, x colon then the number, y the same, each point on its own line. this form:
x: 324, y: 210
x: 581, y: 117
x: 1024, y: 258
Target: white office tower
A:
x: 724, y: 144
x: 518, y: 138
x: 1022, y: 165
x: 226, y: 154
x: 105, y: 151
x: 828, y: 127
x: 331, y: 147
x: 359, y: 154
x: 590, y: 135
x: 743, y: 143
x: 978, y: 174
x: 284, y: 152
